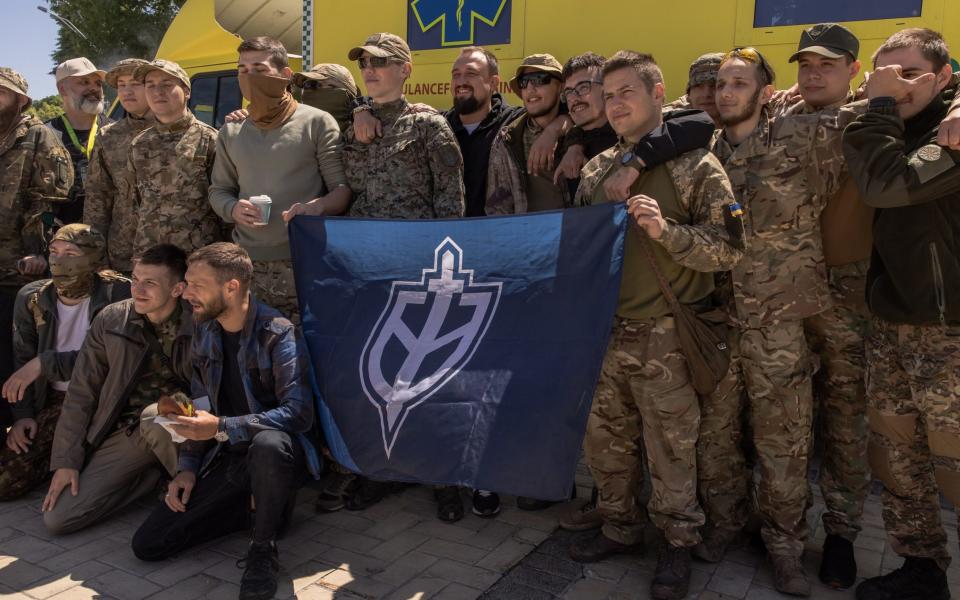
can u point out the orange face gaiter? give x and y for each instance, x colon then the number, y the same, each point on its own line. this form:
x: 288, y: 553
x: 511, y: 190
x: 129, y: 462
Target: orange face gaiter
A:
x: 271, y: 105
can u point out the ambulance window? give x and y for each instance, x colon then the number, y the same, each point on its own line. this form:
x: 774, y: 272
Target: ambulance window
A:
x: 776, y: 13
x: 203, y: 97
x: 214, y: 96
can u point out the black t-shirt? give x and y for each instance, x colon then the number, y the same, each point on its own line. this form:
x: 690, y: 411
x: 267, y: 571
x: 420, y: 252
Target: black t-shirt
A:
x: 233, y: 400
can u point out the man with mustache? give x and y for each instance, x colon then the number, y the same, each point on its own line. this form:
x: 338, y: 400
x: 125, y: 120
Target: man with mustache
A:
x: 52, y: 319
x: 35, y: 173
x: 251, y: 450
x: 286, y: 150
x: 80, y: 85
x: 169, y: 164
x: 110, y: 212
x: 107, y: 447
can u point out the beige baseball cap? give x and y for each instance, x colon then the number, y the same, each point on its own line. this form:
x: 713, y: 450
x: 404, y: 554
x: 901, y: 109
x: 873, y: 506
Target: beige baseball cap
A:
x: 78, y: 67
x: 126, y: 66
x: 537, y: 62
x: 15, y: 82
x: 385, y: 45
x: 335, y: 74
x: 167, y: 66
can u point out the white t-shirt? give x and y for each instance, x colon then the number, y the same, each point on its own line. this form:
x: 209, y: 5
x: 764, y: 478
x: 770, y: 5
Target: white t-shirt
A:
x: 72, y: 324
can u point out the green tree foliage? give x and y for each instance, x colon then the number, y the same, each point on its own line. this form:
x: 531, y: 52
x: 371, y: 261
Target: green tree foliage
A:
x: 115, y: 29
x: 47, y: 108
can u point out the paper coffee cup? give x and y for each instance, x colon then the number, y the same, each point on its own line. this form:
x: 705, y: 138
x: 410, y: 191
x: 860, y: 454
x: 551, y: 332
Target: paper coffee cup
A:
x: 264, y: 203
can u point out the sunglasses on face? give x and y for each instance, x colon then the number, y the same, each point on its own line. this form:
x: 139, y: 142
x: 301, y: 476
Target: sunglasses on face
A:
x: 580, y: 90
x: 538, y: 79
x: 374, y: 62
x: 753, y: 55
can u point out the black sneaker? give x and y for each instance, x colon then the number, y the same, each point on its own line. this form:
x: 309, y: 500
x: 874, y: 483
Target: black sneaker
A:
x: 260, y: 569
x: 486, y: 504
x: 917, y: 579
x: 367, y: 492
x: 333, y: 496
x: 671, y: 580
x: 838, y: 567
x: 449, y: 504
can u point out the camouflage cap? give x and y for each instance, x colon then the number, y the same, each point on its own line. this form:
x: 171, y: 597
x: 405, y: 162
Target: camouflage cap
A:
x: 828, y: 39
x: 704, y: 69
x: 335, y: 74
x: 15, y: 82
x: 385, y: 45
x: 167, y: 66
x: 89, y: 240
x: 126, y: 66
x: 536, y: 62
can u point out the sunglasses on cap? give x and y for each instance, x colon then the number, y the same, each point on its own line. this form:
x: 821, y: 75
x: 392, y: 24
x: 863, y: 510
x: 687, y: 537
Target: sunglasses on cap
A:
x: 375, y: 62
x: 753, y: 55
x: 537, y: 78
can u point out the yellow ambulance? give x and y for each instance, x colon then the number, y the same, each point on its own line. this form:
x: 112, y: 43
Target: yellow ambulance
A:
x: 204, y: 36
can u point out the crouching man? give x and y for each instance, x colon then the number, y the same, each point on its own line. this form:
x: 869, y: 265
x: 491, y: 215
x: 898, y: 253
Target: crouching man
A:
x: 253, y: 448
x: 106, y: 448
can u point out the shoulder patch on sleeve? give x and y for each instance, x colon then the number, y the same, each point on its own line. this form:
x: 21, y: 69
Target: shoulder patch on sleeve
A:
x: 930, y: 161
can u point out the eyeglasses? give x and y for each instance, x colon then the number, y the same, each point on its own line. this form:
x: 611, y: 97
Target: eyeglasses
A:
x: 580, y: 90
x: 375, y: 62
x: 753, y: 55
x: 538, y: 79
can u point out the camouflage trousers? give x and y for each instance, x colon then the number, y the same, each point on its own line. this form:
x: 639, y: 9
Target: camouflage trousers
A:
x: 644, y: 397
x: 273, y: 285
x: 774, y: 366
x: 20, y: 473
x: 913, y: 395
x: 840, y: 405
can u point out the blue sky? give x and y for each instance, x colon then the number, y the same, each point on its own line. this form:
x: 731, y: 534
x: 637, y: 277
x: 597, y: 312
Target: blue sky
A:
x: 27, y: 38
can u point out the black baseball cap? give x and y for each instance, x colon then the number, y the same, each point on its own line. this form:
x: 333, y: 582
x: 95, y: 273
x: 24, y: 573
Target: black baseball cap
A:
x: 828, y: 39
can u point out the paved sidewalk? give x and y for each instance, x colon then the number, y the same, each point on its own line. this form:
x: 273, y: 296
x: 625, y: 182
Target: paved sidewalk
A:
x: 395, y: 550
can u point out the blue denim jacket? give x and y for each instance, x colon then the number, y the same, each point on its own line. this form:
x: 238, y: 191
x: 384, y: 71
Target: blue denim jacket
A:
x: 275, y: 371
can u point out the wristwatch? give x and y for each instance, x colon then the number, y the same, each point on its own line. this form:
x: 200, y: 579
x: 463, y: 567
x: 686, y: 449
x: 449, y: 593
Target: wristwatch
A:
x: 629, y: 159
x: 221, y: 435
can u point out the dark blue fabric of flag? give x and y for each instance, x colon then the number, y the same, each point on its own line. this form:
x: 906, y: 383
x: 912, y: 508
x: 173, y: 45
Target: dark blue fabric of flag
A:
x: 461, y: 352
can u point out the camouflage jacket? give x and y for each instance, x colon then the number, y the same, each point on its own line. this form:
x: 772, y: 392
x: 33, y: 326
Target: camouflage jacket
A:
x: 111, y: 213
x: 702, y: 235
x: 415, y: 171
x: 783, y: 175
x: 275, y: 371
x: 508, y: 183
x: 35, y: 333
x: 681, y: 103
x: 167, y: 177
x: 105, y: 374
x: 35, y: 173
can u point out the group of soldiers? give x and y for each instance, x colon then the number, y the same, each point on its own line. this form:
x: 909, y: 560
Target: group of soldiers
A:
x: 813, y: 225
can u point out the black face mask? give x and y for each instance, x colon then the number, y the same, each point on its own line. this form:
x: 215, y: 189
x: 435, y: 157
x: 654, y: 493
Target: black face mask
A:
x: 335, y: 101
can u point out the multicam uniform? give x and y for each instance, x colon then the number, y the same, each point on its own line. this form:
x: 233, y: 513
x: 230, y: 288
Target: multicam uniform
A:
x: 645, y: 383
x: 114, y: 214
x: 415, y: 171
x: 782, y: 176
x: 167, y: 177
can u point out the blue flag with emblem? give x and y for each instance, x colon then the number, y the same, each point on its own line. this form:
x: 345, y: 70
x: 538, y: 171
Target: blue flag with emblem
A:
x: 463, y: 351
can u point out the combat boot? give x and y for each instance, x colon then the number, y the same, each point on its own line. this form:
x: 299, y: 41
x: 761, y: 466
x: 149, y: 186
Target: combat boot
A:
x: 584, y: 518
x: 672, y: 577
x: 598, y: 547
x: 838, y: 566
x: 715, y: 543
x: 788, y: 575
x: 917, y: 579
